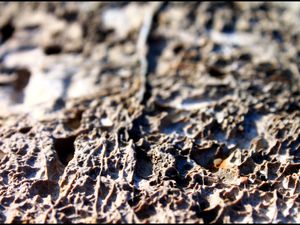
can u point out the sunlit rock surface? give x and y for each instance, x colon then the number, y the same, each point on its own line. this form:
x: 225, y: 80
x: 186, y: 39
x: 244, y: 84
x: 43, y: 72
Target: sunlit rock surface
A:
x: 149, y: 112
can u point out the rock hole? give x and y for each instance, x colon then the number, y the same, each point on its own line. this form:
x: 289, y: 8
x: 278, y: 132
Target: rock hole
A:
x: 182, y: 165
x: 44, y: 188
x: 65, y: 148
x: 144, y: 165
x: 19, y: 84
x: 7, y: 201
x: 24, y: 130
x: 228, y: 28
x: 245, y: 57
x: 215, y: 72
x: 75, y: 122
x: 7, y: 31
x: 135, y: 200
x: 93, y: 173
x: 178, y: 49
x: 52, y: 49
x: 208, y: 215
x: 145, y: 211
x: 70, y: 15
x: 23, y: 76
x: 153, y: 182
x: 31, y: 27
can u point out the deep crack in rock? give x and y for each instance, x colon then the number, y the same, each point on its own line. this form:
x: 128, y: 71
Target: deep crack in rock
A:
x: 149, y: 112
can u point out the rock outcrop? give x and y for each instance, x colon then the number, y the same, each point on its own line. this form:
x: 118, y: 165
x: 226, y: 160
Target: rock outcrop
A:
x: 149, y: 112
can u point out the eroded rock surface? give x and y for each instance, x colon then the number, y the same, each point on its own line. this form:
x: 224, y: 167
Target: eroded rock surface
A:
x: 149, y: 112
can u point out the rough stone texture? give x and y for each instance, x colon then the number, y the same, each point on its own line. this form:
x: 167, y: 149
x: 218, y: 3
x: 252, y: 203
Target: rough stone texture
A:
x: 149, y: 112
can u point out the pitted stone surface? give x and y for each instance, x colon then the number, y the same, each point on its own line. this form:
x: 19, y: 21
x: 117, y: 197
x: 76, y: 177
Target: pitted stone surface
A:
x: 149, y: 112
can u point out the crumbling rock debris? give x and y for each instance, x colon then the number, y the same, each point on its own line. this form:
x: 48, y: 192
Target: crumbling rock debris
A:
x: 149, y: 112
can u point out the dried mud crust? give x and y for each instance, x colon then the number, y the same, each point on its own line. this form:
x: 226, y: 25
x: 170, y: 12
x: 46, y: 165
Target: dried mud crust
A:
x: 153, y: 112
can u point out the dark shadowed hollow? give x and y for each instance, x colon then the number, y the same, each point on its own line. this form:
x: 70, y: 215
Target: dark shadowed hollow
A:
x: 153, y: 112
